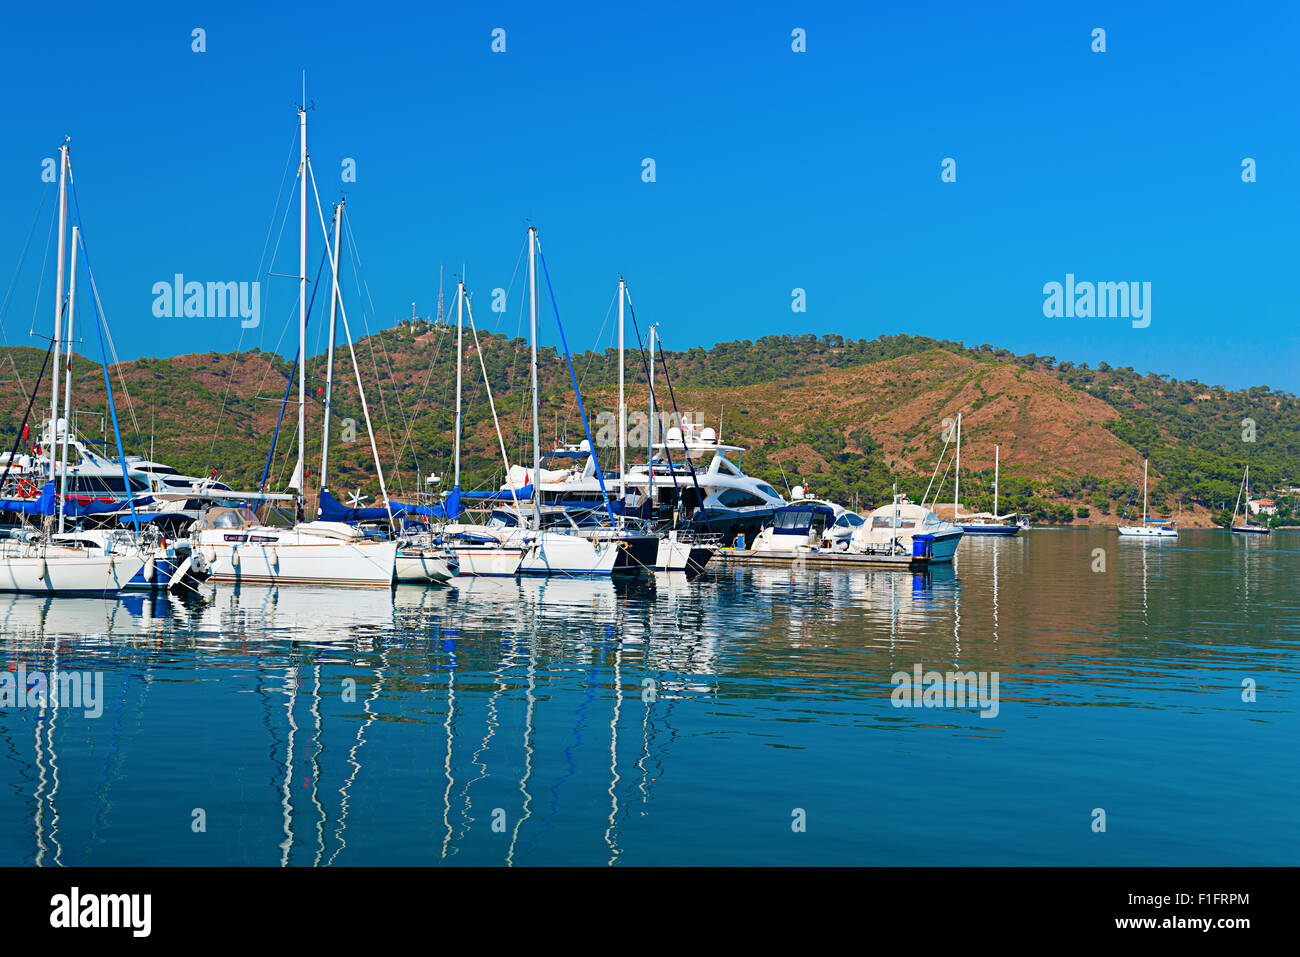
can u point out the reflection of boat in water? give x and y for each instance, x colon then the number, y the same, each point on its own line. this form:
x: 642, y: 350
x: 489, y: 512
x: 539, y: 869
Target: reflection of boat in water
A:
x: 303, y: 612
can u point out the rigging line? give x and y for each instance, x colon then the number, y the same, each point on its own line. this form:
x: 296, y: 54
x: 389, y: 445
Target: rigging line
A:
x: 654, y: 411
x: 591, y: 443
x: 40, y: 284
x: 695, y: 479
x: 587, y: 366
x: 428, y: 376
x: 22, y: 258
x: 937, y: 463
x: 106, y: 333
x: 383, y: 403
x: 491, y: 404
x: 356, y: 367
x: 18, y: 436
x: 216, y: 431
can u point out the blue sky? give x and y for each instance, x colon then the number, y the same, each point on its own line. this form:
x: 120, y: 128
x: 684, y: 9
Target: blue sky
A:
x: 774, y: 169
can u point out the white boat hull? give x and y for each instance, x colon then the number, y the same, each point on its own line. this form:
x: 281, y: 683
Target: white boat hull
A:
x: 557, y: 554
x: 422, y: 565
x: 297, y: 559
x: 61, y: 571
x: 1143, y: 531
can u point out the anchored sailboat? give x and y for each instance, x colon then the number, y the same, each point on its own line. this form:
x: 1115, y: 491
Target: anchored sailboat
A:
x: 1150, y: 528
x: 1247, y: 527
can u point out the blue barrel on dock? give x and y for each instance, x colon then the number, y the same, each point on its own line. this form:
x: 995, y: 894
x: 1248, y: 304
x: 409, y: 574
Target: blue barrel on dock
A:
x: 922, y: 546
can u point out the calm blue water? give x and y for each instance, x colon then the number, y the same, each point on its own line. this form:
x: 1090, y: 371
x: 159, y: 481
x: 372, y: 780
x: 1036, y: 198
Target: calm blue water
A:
x: 523, y: 703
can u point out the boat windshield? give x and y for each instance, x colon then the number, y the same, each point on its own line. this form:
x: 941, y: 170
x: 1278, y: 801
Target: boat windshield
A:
x: 226, y: 518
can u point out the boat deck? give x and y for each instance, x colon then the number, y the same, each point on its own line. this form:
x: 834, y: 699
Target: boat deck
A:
x: 745, y: 556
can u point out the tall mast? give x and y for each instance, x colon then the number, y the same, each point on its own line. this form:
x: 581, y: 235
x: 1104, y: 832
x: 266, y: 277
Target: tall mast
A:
x: 329, y: 354
x: 302, y: 309
x: 650, y: 448
x: 956, y: 482
x: 532, y: 320
x: 67, y: 382
x: 58, y: 304
x: 460, y: 308
x: 622, y: 405
x: 997, y: 464
x: 1144, y: 492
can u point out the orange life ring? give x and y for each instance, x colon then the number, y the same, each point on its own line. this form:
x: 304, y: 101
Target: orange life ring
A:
x: 26, y: 489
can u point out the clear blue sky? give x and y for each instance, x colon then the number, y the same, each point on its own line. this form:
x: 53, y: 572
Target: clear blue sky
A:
x: 775, y: 169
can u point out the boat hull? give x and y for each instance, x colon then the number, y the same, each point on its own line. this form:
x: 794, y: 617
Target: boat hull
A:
x: 1139, y: 531
x: 298, y: 562
x: 422, y: 566
x: 1002, y: 531
x: 551, y: 554
x: 59, y: 574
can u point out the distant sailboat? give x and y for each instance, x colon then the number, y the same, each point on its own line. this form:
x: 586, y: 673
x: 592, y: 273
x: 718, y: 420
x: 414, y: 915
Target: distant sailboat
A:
x: 1150, y: 528
x: 991, y: 523
x: 1247, y: 527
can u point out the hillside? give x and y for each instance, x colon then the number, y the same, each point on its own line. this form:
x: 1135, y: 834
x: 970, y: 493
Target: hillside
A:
x: 849, y: 417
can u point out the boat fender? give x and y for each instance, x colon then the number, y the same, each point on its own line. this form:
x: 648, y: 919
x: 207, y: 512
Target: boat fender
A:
x: 234, y: 556
x: 41, y: 570
x: 273, y: 558
x: 150, y: 570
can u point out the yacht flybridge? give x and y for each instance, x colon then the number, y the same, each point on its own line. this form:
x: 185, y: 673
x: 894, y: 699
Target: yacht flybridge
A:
x: 691, y: 474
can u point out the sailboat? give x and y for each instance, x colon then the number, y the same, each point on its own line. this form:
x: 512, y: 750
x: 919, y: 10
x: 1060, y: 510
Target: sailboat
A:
x: 30, y: 560
x: 1247, y: 527
x: 1150, y: 527
x: 991, y: 523
x: 241, y: 548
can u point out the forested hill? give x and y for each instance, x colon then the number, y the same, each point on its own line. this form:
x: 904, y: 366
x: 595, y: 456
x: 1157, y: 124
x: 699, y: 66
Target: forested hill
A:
x: 849, y: 417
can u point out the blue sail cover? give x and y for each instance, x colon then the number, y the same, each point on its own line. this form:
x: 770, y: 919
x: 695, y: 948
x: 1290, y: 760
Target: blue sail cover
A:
x: 332, y: 510
x: 501, y: 495
x: 47, y: 503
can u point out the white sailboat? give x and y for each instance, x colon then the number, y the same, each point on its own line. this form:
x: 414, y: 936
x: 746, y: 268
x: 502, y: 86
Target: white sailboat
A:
x: 32, y: 561
x: 554, y: 551
x: 1150, y: 528
x: 991, y: 523
x: 239, y: 547
x: 1247, y: 527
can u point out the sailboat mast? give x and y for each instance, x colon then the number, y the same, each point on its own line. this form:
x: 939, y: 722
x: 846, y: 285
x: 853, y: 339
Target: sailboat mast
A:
x: 1144, y: 492
x: 460, y: 309
x: 997, y: 465
x: 650, y: 448
x: 956, y: 486
x: 622, y: 403
x: 58, y: 304
x: 329, y: 353
x: 532, y: 323
x: 302, y: 308
x: 67, y: 382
